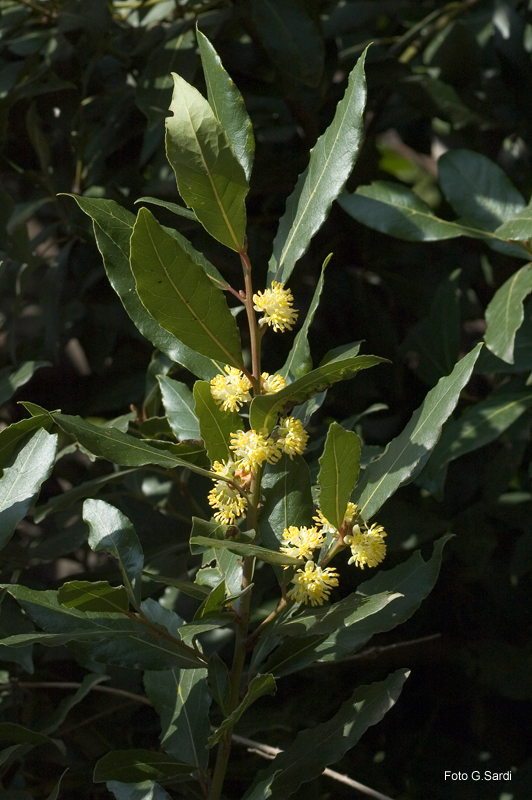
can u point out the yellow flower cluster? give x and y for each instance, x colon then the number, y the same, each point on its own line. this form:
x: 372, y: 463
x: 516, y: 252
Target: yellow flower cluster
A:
x: 313, y: 584
x: 253, y: 448
x: 271, y: 384
x: 228, y: 500
x: 276, y: 306
x: 292, y: 438
x: 366, y: 542
x: 231, y: 390
x: 301, y: 542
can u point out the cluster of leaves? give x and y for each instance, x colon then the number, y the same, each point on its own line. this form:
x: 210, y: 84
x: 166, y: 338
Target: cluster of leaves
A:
x: 85, y: 87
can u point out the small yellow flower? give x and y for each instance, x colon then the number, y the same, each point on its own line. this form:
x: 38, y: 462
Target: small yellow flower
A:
x: 275, y: 303
x: 231, y: 390
x: 313, y: 584
x: 301, y: 542
x: 292, y: 438
x: 367, y: 546
x: 351, y: 514
x: 253, y: 448
x: 270, y: 384
x: 228, y: 500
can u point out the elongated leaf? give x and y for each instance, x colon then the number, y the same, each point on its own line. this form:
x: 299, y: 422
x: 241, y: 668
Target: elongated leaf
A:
x: 111, y: 531
x: 12, y: 379
x: 411, y: 449
x: 215, y: 425
x: 478, y: 189
x: 394, y: 209
x: 219, y: 682
x: 178, y: 404
x: 331, y: 162
x: 264, y: 409
x: 11, y: 732
x: 299, y: 361
x: 287, y: 499
x: 93, y: 596
x: 317, y: 748
x: 54, y: 794
x: 132, y: 766
x: 22, y: 481
x: 505, y: 314
x: 181, y: 211
x: 259, y: 686
x: 113, y: 226
x: 209, y: 176
x: 178, y: 293
x: 228, y: 105
x: 339, y: 468
x: 145, y: 790
x: 187, y: 587
x: 518, y: 228
x: 182, y: 700
x: 479, y: 425
x: 269, y: 556
x: 14, y: 434
x: 86, y: 489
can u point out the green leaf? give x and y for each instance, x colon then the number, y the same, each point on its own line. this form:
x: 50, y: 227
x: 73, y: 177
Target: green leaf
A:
x: 411, y: 449
x: 113, y: 226
x: 269, y: 556
x: 265, y: 408
x: 210, y: 179
x: 482, y: 423
x: 179, y: 294
x: 478, y: 189
x: 228, y: 105
x: 299, y: 360
x: 61, y: 502
x: 219, y: 682
x: 339, y: 468
x: 505, y: 313
x: 133, y: 766
x: 331, y: 162
x: 181, y: 211
x: 259, y: 686
x: 145, y: 790
x: 182, y: 700
x: 22, y: 481
x: 93, y: 596
x: 178, y: 405
x: 518, y: 228
x: 187, y: 587
x: 292, y: 37
x: 394, y: 209
x: 111, y: 531
x: 54, y: 794
x: 213, y: 603
x: 346, y: 613
x: 315, y: 749
x: 15, y: 433
x: 12, y: 379
x: 287, y: 498
x: 11, y: 732
x: 215, y: 425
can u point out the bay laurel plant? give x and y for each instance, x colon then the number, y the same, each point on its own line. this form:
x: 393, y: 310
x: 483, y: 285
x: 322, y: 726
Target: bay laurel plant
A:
x: 280, y: 524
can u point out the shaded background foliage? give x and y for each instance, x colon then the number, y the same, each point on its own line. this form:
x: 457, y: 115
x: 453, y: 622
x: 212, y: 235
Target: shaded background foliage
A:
x: 84, y: 88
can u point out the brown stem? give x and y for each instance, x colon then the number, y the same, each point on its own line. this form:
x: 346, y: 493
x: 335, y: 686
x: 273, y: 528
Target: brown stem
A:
x: 251, y: 640
x: 142, y: 618
x: 252, y: 321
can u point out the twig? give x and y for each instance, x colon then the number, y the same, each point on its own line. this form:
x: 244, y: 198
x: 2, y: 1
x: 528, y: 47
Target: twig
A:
x: 73, y: 685
x: 373, y: 652
x: 266, y: 751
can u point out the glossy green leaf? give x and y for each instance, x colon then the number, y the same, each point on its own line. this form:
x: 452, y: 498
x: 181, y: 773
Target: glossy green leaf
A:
x: 505, y: 313
x: 394, y: 209
x: 12, y: 378
x: 215, y: 425
x: 518, y: 228
x: 331, y: 162
x: 113, y: 226
x: 287, y: 498
x: 482, y: 423
x: 411, y: 449
x: 264, y: 409
x: 228, y: 105
x: 339, y: 468
x: 317, y: 748
x: 93, y: 596
x: 269, y: 556
x: 133, y: 766
x: 299, y: 360
x: 478, y: 189
x: 22, y: 481
x: 14, y: 434
x: 145, y: 790
x: 210, y: 179
x: 11, y: 732
x: 187, y: 587
x: 219, y: 682
x: 178, y: 405
x: 181, y: 211
x: 179, y: 294
x: 258, y: 686
x: 182, y: 700
x: 213, y: 603
x: 61, y: 502
x: 112, y: 531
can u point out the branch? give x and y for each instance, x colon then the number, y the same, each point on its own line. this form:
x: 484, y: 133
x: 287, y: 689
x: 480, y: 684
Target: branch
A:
x: 373, y: 652
x: 73, y: 685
